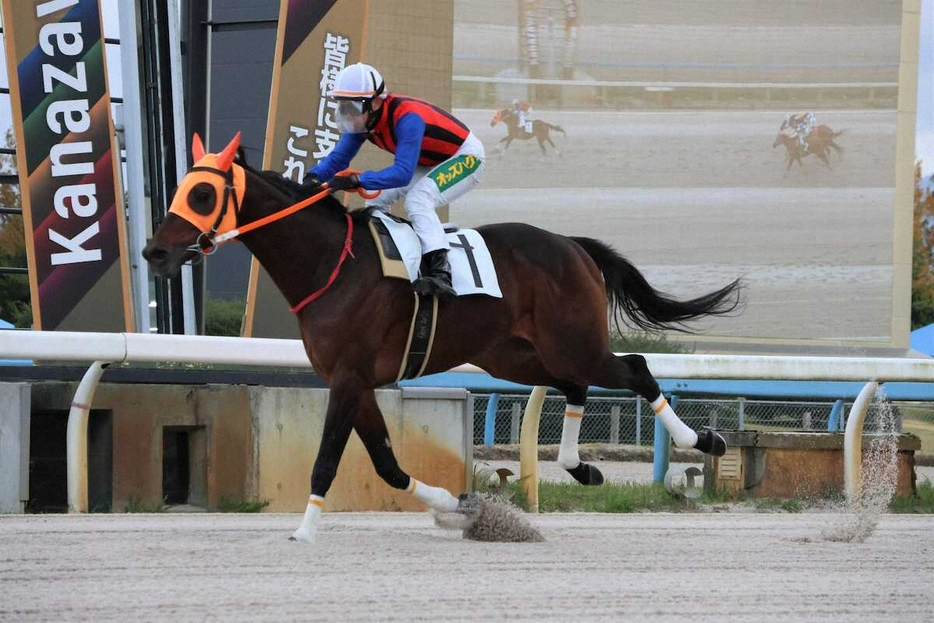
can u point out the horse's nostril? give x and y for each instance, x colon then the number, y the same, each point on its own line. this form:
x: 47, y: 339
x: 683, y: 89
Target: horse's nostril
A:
x: 154, y: 254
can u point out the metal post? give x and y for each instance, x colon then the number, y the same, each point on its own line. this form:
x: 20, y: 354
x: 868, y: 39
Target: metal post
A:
x: 614, y: 424
x: 514, y: 424
x: 638, y: 420
x: 662, y: 447
x: 489, y: 423
x: 131, y: 133
x: 528, y: 449
x: 833, y: 422
x: 76, y: 439
x: 853, y: 440
x: 741, y: 423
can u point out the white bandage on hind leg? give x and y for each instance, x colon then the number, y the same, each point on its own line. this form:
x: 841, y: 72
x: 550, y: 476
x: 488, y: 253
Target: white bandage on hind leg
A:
x: 437, y: 498
x: 683, y: 436
x: 568, y: 458
x: 309, y: 527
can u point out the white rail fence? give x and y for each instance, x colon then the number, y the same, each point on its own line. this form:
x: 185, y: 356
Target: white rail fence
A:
x: 104, y: 349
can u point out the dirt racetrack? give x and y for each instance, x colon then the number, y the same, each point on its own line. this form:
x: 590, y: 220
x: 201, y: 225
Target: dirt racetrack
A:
x: 725, y: 567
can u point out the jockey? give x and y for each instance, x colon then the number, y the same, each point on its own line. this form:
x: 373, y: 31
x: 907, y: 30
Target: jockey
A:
x: 437, y: 160
x: 522, y: 110
x: 801, y: 125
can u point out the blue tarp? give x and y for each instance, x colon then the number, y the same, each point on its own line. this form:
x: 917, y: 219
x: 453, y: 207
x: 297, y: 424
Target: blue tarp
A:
x: 922, y: 340
x: 12, y: 362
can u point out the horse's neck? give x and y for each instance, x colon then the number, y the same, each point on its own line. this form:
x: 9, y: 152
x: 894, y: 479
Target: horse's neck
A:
x: 298, y: 251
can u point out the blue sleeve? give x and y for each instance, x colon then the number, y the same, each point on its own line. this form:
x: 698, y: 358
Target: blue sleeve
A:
x: 410, y: 130
x: 340, y: 157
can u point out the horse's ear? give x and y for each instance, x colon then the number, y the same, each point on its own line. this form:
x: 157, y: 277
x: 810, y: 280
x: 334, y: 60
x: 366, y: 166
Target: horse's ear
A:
x: 197, y: 148
x: 225, y: 158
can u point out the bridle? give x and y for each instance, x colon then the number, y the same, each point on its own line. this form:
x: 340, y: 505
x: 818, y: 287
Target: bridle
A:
x: 208, y: 241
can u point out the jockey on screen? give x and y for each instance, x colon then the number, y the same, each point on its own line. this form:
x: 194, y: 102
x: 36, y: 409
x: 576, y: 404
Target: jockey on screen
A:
x: 437, y: 160
x: 800, y: 125
x: 523, y: 109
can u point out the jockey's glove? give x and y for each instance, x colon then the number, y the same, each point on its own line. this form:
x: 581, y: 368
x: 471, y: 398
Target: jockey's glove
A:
x: 344, y: 182
x: 311, y: 180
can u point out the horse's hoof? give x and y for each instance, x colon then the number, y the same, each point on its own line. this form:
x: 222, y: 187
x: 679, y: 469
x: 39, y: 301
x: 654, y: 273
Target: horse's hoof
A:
x: 303, y: 537
x: 468, y: 504
x: 586, y: 474
x: 710, y: 442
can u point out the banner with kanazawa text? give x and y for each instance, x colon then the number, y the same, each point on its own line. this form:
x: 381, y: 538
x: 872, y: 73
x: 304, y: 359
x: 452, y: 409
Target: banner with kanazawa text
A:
x: 66, y: 160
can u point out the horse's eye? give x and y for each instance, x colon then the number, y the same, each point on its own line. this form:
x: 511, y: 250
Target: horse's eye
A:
x: 201, y: 198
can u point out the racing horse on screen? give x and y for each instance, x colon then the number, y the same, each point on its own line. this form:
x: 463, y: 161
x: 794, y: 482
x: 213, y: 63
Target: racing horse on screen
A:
x: 541, y: 131
x: 549, y: 327
x: 820, y: 142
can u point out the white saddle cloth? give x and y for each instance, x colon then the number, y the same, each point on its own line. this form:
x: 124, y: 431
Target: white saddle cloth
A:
x: 472, y: 270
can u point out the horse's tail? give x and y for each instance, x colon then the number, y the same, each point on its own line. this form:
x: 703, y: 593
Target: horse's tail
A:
x: 631, y: 297
x: 557, y: 128
x: 836, y: 134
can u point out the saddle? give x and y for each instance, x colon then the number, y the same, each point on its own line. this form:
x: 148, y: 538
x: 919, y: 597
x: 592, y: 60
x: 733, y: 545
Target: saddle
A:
x: 472, y: 270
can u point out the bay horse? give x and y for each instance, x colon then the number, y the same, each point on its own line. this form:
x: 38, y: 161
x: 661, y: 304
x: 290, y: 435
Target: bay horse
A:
x: 541, y: 131
x: 820, y: 141
x: 549, y: 328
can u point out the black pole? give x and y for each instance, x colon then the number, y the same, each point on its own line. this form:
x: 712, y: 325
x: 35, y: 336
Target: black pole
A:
x: 194, y: 36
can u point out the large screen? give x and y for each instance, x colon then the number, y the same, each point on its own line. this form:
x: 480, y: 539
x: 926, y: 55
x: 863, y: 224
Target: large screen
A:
x: 706, y: 141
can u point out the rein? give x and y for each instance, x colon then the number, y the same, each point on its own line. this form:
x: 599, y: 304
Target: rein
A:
x: 208, y: 242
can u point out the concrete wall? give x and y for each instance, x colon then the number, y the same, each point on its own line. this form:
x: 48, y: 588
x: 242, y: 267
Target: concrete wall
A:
x: 14, y: 446
x: 260, y: 443
x: 141, y: 412
x: 431, y: 433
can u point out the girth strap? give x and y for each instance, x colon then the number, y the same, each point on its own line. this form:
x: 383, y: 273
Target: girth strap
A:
x: 421, y: 338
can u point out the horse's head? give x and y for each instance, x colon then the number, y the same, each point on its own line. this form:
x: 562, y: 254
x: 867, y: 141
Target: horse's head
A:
x: 782, y: 139
x: 204, y: 206
x: 500, y: 115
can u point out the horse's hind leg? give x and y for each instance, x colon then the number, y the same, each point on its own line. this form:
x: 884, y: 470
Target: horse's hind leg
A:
x: 568, y: 457
x: 553, y: 146
x: 541, y: 145
x: 631, y: 372
x: 518, y: 361
x: 371, y: 427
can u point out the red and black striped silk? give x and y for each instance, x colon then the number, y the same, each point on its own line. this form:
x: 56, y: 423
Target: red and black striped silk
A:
x: 444, y: 134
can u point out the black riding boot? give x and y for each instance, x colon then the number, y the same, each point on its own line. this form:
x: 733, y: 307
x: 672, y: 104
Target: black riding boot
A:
x: 435, y: 279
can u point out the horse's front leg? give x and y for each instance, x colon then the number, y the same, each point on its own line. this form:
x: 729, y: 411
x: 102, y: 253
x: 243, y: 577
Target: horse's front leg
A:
x: 343, y: 404
x: 371, y: 428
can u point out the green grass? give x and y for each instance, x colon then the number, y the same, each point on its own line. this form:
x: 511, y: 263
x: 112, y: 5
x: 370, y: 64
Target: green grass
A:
x: 231, y: 505
x: 136, y: 505
x: 556, y: 497
x: 923, y: 503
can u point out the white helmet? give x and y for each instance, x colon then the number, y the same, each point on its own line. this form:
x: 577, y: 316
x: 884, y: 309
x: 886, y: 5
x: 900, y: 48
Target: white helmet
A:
x: 355, y: 87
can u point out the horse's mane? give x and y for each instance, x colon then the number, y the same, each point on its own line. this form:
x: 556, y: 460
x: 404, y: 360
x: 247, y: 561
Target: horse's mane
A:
x: 295, y: 191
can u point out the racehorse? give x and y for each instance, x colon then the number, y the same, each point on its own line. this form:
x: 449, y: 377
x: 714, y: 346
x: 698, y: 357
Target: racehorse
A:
x: 820, y: 141
x: 549, y: 328
x: 541, y: 130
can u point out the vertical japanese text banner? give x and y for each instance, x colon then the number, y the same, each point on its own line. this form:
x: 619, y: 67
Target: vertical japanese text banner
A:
x: 72, y: 207
x: 315, y: 41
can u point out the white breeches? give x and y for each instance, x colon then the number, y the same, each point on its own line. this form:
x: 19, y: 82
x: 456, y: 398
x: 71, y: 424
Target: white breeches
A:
x: 433, y: 187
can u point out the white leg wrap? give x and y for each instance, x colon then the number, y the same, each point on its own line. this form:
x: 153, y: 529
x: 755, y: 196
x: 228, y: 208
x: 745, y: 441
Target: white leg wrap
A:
x: 568, y: 458
x: 682, y: 435
x: 309, y: 528
x: 435, y: 497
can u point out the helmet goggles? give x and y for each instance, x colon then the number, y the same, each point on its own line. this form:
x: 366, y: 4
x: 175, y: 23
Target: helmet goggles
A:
x: 350, y: 115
